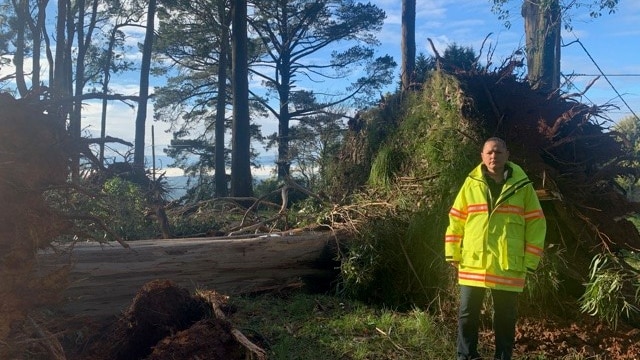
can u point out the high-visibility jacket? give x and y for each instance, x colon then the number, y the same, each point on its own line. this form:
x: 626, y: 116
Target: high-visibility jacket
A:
x: 495, y: 242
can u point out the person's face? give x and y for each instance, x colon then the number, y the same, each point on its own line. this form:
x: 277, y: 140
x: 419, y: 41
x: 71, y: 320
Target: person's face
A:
x: 494, y: 156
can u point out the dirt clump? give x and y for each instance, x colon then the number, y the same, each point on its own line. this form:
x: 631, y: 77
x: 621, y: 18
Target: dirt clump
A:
x: 208, y: 338
x: 158, y: 310
x: 165, y: 322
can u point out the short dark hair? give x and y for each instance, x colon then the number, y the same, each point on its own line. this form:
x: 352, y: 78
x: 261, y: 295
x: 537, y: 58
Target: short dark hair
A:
x: 496, y: 139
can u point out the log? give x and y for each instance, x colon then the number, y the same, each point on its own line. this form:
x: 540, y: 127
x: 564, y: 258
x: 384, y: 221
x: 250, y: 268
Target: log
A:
x: 105, y: 278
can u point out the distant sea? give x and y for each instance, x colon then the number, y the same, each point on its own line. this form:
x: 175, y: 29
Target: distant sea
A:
x: 178, y: 184
x: 178, y: 181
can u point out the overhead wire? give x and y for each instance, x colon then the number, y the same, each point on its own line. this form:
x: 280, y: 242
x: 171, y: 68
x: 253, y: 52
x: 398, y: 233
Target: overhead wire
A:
x: 605, y: 76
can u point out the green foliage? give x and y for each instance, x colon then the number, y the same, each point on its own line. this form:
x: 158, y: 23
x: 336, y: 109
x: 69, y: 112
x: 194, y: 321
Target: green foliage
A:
x: 369, y: 131
x: 385, y: 167
x: 629, y: 129
x: 437, y: 135
x: 303, y: 210
x: 201, y: 220
x: 266, y: 189
x: 543, y: 285
x: 270, y: 190
x: 200, y: 187
x: 315, y: 142
x: 398, y: 258
x: 456, y: 58
x: 116, y: 207
x: 632, y: 258
x: 125, y: 209
x: 381, y: 123
x: 398, y: 261
x: 604, y: 296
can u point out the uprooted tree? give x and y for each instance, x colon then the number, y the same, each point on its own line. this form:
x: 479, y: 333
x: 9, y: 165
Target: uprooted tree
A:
x: 412, y: 155
x: 39, y: 206
x: 34, y: 153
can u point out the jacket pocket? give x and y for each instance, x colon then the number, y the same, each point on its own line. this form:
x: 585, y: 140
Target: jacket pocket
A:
x: 471, y: 258
x: 512, y: 254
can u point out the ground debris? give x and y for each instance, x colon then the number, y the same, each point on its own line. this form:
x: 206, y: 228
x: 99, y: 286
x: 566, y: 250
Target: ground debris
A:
x: 164, y: 321
x: 557, y: 338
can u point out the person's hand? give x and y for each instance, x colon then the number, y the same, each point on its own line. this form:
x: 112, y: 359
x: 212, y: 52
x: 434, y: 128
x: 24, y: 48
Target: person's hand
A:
x: 454, y: 264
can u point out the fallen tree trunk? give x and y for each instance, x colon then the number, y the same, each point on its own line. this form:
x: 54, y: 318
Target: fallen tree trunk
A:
x: 104, y: 278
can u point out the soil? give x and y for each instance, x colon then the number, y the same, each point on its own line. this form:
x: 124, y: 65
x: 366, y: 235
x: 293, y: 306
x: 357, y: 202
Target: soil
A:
x: 186, y: 332
x: 586, y: 337
x: 163, y: 322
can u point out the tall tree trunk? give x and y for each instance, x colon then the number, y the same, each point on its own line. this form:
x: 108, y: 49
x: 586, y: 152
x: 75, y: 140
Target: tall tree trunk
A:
x: 141, y: 116
x: 58, y: 83
x: 75, y: 117
x: 61, y: 85
x: 220, y: 165
x: 542, y: 24
x: 106, y: 77
x: 284, y: 160
x: 22, y: 10
x: 50, y: 58
x: 241, y: 182
x: 84, y: 33
x: 284, y: 93
x: 37, y: 31
x: 408, y: 43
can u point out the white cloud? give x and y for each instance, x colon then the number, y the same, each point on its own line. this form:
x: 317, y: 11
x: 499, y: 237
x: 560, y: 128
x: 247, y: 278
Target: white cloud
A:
x: 611, y: 40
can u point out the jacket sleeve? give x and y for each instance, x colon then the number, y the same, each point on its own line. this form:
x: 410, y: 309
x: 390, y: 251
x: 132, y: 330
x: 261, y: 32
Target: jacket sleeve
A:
x: 535, y: 230
x: 455, y: 230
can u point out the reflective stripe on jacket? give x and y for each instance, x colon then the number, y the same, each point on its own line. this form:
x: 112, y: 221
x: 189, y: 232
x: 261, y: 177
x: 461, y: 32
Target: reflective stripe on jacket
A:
x: 495, y: 245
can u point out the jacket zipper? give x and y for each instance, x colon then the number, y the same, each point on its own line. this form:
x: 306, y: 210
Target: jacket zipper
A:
x: 504, y: 195
x: 511, y: 191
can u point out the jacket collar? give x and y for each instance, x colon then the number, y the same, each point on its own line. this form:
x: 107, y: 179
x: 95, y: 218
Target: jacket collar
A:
x: 513, y: 172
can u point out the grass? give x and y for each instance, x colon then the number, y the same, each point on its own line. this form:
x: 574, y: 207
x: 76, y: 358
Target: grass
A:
x: 304, y: 326
x: 320, y: 327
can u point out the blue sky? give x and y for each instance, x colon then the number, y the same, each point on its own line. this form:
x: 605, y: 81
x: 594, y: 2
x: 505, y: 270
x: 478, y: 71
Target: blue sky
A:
x: 613, y: 41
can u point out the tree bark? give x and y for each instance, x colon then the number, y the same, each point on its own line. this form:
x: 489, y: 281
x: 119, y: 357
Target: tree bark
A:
x: 106, y: 77
x: 542, y: 28
x: 75, y: 117
x: 284, y: 90
x: 141, y: 116
x: 37, y: 29
x: 408, y: 43
x: 284, y: 93
x: 279, y: 260
x: 22, y: 10
x: 61, y: 84
x: 220, y: 164
x: 241, y: 182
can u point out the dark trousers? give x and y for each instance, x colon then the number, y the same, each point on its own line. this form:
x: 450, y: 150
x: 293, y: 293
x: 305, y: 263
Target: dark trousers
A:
x: 505, y: 314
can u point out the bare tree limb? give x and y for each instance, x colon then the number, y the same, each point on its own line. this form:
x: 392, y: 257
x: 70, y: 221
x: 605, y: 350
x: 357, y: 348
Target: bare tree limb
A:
x: 216, y: 300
